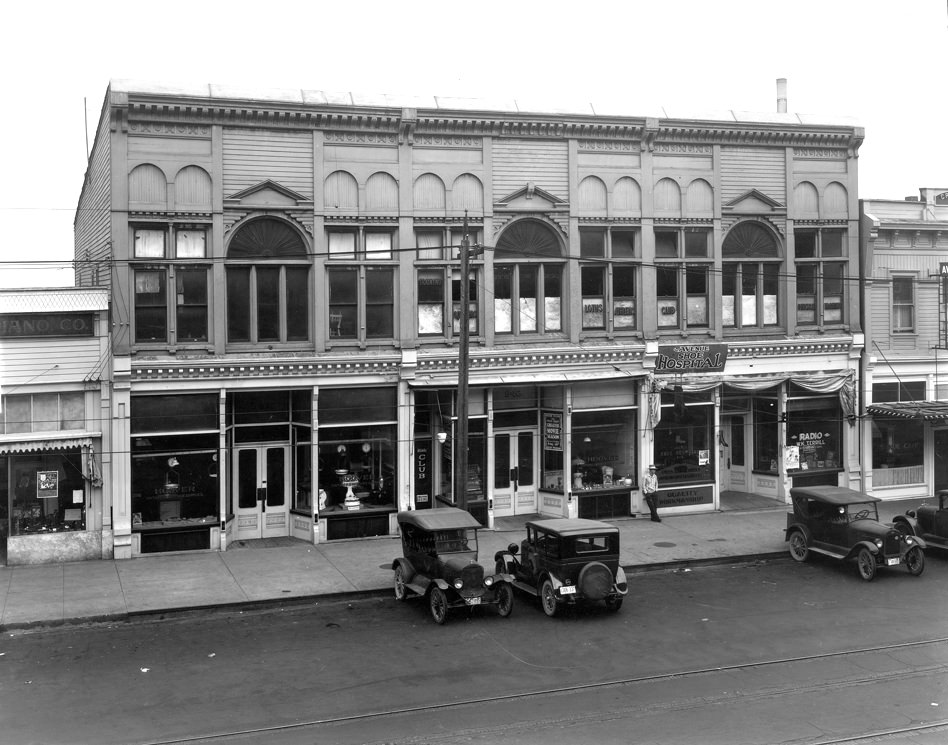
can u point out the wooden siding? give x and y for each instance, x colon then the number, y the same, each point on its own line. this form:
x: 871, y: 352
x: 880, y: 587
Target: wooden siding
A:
x: 93, y: 222
x: 30, y: 361
x: 381, y: 193
x: 251, y: 156
x: 592, y: 195
x: 746, y: 168
x: 627, y: 197
x: 192, y: 189
x: 429, y: 192
x: 147, y: 188
x: 467, y: 193
x: 517, y: 162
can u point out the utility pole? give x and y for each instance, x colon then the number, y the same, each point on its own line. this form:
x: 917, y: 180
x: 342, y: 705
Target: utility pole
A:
x: 461, y: 440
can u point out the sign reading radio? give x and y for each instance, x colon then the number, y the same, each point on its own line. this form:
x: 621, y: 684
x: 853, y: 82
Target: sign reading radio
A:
x: 691, y: 357
x: 13, y: 326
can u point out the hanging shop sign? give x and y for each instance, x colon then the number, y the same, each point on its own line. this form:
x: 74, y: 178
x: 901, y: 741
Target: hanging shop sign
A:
x: 676, y: 358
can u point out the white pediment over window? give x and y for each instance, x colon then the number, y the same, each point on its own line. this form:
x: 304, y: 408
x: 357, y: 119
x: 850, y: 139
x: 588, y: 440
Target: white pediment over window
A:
x: 530, y: 198
x: 754, y: 202
x: 268, y: 194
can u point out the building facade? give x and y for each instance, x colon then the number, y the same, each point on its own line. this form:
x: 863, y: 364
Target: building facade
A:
x: 287, y: 290
x: 905, y: 246
x: 55, y: 383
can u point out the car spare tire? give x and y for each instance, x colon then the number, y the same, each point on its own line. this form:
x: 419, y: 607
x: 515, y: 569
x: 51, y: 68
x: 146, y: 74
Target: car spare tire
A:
x: 595, y: 581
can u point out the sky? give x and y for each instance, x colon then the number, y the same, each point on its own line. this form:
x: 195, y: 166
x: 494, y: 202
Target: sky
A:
x: 881, y: 63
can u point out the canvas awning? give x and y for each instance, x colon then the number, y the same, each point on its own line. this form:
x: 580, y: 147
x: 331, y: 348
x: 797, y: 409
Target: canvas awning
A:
x: 48, y: 444
x: 928, y: 411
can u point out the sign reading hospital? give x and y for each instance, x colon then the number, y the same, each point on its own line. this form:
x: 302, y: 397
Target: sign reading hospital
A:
x: 677, y: 358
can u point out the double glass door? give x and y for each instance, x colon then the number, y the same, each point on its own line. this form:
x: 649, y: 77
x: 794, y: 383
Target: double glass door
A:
x: 515, y: 483
x: 262, y: 478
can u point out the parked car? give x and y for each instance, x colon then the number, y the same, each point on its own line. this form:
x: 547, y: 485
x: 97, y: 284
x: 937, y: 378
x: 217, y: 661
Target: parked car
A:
x: 564, y: 561
x: 844, y: 524
x: 928, y: 521
x: 439, y: 563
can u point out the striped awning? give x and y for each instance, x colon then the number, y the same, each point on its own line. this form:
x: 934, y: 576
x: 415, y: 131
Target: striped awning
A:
x: 928, y: 411
x: 44, y: 445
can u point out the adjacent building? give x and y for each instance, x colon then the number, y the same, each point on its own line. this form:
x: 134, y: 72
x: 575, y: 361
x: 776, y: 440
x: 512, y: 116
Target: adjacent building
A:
x: 905, y: 246
x: 286, y: 274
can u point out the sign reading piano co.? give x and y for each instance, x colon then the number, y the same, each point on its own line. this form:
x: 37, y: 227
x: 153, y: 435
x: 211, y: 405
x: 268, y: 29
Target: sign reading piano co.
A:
x: 682, y: 358
x: 21, y: 325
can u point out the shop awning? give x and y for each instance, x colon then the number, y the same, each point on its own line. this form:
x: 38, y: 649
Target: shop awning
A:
x: 46, y: 444
x: 928, y: 411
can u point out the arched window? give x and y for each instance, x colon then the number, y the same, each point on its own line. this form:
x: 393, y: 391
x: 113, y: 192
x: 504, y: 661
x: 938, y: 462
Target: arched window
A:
x: 751, y: 277
x: 528, y: 280
x: 268, y: 294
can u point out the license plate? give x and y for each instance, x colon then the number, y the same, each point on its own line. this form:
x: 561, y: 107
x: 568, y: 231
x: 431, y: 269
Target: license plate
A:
x: 891, y: 562
x: 472, y: 601
x: 568, y: 590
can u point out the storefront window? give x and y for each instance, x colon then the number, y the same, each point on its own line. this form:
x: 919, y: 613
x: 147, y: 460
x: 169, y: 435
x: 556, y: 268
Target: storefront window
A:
x: 174, y: 480
x: 898, y: 452
x: 813, y: 427
x: 603, y: 449
x: 683, y: 438
x: 46, y: 493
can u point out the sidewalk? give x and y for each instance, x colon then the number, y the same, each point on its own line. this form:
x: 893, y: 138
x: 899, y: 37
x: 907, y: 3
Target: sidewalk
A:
x: 294, y: 571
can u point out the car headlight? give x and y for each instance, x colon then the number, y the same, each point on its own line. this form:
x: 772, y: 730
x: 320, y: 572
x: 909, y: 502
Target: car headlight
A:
x: 488, y: 581
x: 458, y: 583
x: 878, y: 542
x: 909, y: 539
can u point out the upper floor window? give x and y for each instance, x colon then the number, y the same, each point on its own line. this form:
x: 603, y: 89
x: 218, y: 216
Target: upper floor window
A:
x: 682, y: 276
x: 268, y: 287
x: 438, y: 281
x: 528, y: 280
x: 750, y: 283
x: 609, y: 282
x: 170, y: 284
x: 361, y: 274
x: 42, y: 412
x: 821, y: 275
x: 903, y: 305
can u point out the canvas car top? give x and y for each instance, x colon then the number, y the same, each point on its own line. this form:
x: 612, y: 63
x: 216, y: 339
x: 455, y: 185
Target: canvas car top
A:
x: 831, y: 494
x: 573, y: 526
x: 439, y: 518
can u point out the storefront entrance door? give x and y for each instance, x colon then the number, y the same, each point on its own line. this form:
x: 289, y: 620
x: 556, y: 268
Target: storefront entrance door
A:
x: 732, y: 447
x: 261, y: 478
x: 515, y: 483
x: 941, y: 460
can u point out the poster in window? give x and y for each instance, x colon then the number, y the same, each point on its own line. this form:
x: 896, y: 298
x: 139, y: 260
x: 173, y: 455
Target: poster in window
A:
x: 47, y: 484
x: 791, y: 457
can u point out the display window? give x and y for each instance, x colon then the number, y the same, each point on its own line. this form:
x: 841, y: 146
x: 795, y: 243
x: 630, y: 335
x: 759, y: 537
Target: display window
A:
x: 898, y: 452
x: 603, y: 451
x: 45, y: 493
x: 174, y: 480
x: 766, y: 431
x: 684, y: 437
x: 814, y: 435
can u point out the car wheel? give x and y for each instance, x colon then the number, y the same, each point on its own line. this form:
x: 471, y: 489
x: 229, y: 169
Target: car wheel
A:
x: 505, y: 599
x: 915, y: 561
x: 401, y: 592
x: 439, y: 605
x: 866, y: 563
x: 798, y: 547
x: 614, y: 602
x: 548, y: 598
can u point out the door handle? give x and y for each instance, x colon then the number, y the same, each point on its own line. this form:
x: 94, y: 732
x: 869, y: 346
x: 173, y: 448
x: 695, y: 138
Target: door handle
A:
x: 262, y: 498
x: 515, y: 474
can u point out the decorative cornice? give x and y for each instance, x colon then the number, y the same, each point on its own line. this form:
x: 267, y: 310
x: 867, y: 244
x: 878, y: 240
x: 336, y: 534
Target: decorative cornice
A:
x: 169, y: 129
x: 359, y: 138
x: 274, y: 368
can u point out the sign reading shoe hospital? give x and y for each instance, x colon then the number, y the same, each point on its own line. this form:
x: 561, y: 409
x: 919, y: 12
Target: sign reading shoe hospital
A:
x: 682, y: 358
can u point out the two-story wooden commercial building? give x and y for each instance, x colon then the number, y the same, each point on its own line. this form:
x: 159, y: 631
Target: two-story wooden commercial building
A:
x: 285, y: 276
x: 905, y: 246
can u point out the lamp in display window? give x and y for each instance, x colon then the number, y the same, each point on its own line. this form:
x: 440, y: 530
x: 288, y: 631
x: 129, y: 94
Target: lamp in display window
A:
x: 172, y: 478
x: 342, y: 460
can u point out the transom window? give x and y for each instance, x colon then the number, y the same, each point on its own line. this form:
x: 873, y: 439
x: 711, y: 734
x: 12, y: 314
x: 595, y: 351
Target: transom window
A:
x: 821, y: 273
x: 749, y: 288
x: 268, y: 287
x: 170, y: 284
x: 681, y: 279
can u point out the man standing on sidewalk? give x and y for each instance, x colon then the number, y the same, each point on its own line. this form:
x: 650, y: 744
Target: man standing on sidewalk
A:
x: 649, y: 489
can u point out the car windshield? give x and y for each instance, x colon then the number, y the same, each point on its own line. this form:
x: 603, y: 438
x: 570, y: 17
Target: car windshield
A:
x: 456, y: 541
x: 862, y: 511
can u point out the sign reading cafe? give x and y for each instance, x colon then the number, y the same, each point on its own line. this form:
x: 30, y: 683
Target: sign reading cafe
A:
x: 691, y: 358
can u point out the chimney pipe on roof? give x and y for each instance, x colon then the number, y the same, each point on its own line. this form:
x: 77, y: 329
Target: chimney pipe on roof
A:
x: 782, y: 95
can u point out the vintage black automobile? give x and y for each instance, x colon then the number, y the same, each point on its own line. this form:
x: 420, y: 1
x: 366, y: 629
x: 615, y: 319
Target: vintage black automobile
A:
x: 928, y: 521
x: 564, y: 561
x: 844, y: 524
x: 439, y: 563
